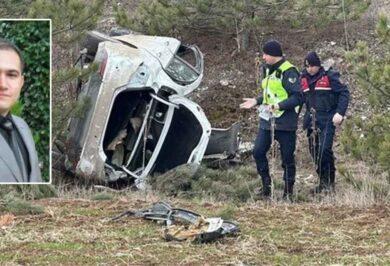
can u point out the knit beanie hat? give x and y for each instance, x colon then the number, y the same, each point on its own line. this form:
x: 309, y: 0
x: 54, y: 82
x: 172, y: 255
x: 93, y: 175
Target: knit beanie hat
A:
x: 312, y: 59
x: 272, y: 48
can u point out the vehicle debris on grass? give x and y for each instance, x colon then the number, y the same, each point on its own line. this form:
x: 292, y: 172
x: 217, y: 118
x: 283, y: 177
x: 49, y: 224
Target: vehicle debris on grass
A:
x: 181, y: 224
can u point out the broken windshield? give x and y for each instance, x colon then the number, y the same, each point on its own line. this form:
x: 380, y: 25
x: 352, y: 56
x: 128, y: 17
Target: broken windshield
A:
x: 181, y: 72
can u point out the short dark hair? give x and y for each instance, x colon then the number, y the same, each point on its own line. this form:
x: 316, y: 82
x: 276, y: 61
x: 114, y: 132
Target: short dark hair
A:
x: 7, y: 45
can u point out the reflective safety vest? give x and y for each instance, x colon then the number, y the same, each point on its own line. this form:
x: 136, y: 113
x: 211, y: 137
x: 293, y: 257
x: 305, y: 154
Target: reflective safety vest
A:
x: 273, y: 91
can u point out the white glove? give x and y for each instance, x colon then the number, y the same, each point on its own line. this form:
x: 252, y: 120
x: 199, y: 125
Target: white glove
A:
x: 337, y: 119
x: 248, y: 103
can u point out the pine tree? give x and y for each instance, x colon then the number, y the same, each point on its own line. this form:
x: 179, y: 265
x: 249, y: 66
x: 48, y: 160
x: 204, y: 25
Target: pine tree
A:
x: 14, y: 8
x: 369, y: 138
x: 71, y: 19
x: 231, y: 17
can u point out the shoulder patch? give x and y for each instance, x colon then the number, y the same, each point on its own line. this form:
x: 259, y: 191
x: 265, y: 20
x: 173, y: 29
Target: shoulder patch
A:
x: 292, y: 79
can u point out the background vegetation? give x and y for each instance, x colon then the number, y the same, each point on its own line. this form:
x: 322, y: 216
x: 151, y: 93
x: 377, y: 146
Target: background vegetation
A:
x: 368, y: 137
x: 349, y: 227
x: 243, y: 19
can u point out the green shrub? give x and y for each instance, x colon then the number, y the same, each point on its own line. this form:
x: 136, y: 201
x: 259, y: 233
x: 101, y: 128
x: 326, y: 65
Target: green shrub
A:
x: 233, y: 185
x: 21, y: 207
x: 102, y: 196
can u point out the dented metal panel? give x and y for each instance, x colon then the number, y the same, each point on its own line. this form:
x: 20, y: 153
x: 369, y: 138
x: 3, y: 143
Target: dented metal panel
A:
x: 122, y: 61
x: 163, y: 48
x: 198, y: 152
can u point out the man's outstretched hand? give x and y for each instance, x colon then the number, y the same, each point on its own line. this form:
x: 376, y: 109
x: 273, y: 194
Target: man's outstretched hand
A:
x: 248, y: 103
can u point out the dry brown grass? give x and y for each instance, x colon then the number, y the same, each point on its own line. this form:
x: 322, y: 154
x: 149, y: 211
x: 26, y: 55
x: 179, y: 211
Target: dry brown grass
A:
x: 78, y: 231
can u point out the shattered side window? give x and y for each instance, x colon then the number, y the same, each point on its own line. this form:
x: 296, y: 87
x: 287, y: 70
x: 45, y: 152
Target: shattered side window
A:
x: 181, y: 72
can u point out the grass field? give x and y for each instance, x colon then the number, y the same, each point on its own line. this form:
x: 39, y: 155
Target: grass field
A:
x: 77, y: 230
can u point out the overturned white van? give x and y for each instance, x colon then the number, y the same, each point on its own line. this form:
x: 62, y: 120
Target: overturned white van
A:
x: 138, y: 120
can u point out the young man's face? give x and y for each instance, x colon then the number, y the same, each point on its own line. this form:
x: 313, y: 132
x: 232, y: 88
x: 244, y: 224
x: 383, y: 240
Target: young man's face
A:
x: 11, y: 80
x: 312, y: 70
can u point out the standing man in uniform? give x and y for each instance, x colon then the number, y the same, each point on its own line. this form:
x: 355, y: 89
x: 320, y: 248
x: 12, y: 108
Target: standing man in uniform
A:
x: 326, y: 99
x: 18, y: 157
x: 278, y: 112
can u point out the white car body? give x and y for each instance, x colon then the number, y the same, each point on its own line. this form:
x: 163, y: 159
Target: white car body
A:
x: 140, y: 79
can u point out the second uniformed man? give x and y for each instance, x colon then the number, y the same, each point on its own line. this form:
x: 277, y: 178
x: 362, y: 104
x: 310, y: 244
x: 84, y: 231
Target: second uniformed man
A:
x: 326, y: 99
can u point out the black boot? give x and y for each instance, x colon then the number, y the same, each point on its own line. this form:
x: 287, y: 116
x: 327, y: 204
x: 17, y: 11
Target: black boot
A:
x: 266, y: 192
x: 327, y: 178
x: 332, y: 177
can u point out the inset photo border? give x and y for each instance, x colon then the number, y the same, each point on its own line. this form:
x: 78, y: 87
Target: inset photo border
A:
x: 25, y: 101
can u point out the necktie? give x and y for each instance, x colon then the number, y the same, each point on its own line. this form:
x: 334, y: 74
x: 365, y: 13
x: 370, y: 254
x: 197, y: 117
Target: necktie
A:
x: 7, y: 124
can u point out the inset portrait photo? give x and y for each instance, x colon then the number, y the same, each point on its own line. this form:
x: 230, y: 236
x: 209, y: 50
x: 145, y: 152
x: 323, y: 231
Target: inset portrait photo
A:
x: 25, y: 67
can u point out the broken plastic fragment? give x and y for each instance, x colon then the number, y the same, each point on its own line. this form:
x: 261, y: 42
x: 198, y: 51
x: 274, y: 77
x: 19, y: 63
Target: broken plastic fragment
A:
x: 185, y: 225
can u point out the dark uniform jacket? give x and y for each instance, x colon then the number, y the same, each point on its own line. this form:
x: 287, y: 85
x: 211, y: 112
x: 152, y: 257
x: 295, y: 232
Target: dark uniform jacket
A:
x: 325, y: 93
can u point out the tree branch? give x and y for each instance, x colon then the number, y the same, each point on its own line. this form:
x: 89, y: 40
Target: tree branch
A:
x: 72, y: 26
